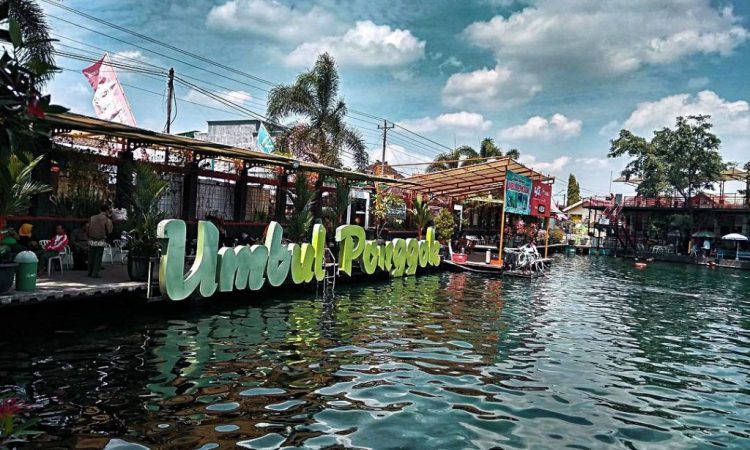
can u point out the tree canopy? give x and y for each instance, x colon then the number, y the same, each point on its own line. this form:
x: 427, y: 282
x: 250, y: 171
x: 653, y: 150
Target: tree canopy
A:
x: 684, y: 160
x: 466, y: 155
x: 574, y: 190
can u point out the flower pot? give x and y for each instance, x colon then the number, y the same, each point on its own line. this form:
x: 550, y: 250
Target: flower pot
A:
x: 7, y: 273
x: 138, y: 268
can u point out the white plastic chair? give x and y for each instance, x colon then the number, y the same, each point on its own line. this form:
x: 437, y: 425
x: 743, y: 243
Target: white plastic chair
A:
x: 59, y: 259
x: 108, y: 253
x: 67, y: 257
x: 123, y: 254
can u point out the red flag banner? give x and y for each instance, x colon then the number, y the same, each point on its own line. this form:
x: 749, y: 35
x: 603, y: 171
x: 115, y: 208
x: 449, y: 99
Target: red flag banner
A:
x: 541, y: 199
x: 109, y: 98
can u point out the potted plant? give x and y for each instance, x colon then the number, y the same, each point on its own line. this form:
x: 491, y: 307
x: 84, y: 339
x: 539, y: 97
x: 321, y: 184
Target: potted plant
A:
x: 303, y: 199
x: 16, y: 191
x: 421, y: 214
x: 445, y: 225
x: 146, y: 193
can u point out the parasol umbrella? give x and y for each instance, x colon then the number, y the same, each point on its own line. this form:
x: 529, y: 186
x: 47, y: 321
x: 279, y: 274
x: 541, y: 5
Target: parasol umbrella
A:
x: 703, y: 234
x: 738, y: 238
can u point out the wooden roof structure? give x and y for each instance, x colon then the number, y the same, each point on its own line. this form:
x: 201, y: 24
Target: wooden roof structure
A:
x: 469, y: 180
x: 77, y: 125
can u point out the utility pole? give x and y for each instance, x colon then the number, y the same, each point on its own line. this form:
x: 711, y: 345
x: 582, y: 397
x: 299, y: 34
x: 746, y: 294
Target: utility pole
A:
x: 170, y: 96
x: 385, y: 129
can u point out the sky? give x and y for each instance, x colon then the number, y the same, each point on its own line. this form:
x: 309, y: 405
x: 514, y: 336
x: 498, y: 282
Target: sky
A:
x: 556, y: 79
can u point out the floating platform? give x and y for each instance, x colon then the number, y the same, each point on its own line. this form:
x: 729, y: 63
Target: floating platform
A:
x: 76, y: 285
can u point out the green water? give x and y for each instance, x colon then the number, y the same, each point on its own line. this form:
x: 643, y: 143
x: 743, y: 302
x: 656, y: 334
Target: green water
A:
x: 597, y: 355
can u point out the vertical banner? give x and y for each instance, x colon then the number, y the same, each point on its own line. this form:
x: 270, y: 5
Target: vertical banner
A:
x: 517, y: 194
x: 265, y: 142
x: 109, y: 98
x: 541, y: 199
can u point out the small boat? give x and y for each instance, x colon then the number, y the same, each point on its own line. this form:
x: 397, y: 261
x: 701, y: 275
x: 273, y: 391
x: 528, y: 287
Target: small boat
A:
x: 487, y: 269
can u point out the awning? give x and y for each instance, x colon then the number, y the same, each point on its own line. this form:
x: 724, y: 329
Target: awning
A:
x: 470, y: 180
x: 77, y: 125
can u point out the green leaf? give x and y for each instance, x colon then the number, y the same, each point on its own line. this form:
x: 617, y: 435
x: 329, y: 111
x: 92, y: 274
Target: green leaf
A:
x: 15, y: 33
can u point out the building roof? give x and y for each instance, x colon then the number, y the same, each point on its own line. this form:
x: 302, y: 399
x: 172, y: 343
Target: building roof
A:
x: 469, y: 180
x: 377, y: 168
x: 77, y: 125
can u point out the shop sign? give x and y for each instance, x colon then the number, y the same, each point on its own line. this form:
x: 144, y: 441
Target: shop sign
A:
x: 541, y: 199
x: 396, y: 212
x: 251, y: 267
x: 517, y: 194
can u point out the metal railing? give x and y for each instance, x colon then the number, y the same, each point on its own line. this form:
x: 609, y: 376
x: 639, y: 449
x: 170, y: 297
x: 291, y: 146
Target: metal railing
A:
x: 700, y: 201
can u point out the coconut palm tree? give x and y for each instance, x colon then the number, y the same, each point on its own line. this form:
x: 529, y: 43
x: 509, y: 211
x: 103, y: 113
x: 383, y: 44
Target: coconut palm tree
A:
x: 452, y: 159
x: 421, y: 214
x: 322, y: 136
x: 314, y: 98
x: 25, y: 18
x: 513, y: 153
x: 488, y: 149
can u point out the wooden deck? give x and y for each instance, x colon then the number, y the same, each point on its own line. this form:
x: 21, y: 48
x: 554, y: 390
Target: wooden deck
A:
x: 75, y: 285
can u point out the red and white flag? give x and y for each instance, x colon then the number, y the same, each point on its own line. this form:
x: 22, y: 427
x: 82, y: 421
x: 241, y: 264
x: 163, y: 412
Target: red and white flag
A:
x: 109, y: 98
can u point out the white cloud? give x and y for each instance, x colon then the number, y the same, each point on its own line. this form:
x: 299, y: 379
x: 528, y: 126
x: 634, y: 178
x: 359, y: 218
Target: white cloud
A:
x: 130, y: 56
x: 557, y: 127
x: 552, y: 167
x: 729, y: 118
x: 461, y: 122
x: 593, y: 163
x: 366, y: 44
x: 698, y: 82
x: 272, y: 20
x: 607, y: 38
x: 238, y: 97
x: 497, y: 87
x: 610, y: 128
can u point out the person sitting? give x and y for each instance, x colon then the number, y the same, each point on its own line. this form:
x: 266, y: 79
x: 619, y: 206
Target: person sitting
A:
x: 55, y: 245
x: 25, y: 237
x: 80, y: 245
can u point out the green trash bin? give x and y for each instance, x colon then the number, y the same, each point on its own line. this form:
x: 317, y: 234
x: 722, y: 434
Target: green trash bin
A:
x: 26, y: 271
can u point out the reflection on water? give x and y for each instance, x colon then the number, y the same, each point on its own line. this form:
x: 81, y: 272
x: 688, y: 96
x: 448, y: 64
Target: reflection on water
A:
x: 596, y: 355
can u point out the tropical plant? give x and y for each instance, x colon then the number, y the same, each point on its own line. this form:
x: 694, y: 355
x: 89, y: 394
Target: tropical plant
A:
x: 30, y: 27
x: 14, y: 428
x: 21, y: 104
x: 322, y: 136
x: 421, y: 214
x: 445, y: 225
x: 17, y: 187
x: 145, y: 195
x: 342, y: 201
x: 488, y: 149
x: 684, y: 160
x: 514, y: 153
x: 302, y: 199
x: 574, y: 190
x: 382, y: 204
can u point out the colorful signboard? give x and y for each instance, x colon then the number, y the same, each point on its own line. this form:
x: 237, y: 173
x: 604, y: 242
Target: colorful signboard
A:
x: 251, y: 267
x: 109, y: 98
x: 265, y: 142
x: 517, y: 194
x: 541, y: 199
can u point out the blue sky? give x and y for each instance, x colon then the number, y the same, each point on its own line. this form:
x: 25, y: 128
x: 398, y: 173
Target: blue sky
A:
x: 554, y: 78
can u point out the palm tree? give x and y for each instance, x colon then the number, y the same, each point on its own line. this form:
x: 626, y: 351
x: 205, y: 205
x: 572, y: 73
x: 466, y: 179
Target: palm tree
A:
x: 314, y: 97
x: 27, y: 17
x: 421, y: 214
x: 323, y: 136
x: 452, y: 159
x: 488, y: 149
x: 302, y: 200
x: 514, y: 153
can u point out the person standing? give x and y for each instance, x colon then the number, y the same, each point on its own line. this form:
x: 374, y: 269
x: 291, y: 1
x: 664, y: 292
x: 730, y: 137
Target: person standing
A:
x: 100, y: 226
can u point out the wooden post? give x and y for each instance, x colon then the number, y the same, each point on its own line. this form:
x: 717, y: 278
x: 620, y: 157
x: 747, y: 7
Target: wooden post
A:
x: 502, y: 229
x: 546, y: 236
